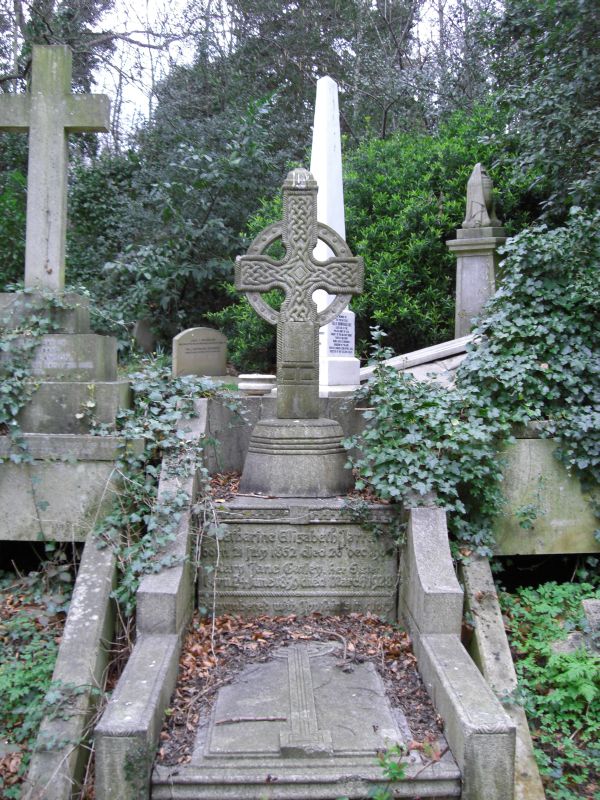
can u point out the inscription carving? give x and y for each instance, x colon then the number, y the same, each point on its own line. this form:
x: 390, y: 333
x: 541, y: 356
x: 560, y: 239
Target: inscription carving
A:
x: 315, y: 567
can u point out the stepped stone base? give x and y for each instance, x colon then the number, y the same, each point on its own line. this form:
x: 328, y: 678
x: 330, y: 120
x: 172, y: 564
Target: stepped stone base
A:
x: 297, y: 556
x: 18, y: 307
x: 296, y: 458
x: 54, y: 406
x: 66, y: 489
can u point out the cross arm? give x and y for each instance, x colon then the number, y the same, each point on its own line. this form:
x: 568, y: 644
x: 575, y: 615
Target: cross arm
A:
x: 341, y: 276
x: 87, y: 113
x: 15, y: 111
x: 257, y: 274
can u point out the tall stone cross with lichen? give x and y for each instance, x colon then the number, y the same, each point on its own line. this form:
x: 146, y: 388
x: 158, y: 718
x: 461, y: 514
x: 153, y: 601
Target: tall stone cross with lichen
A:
x: 49, y: 112
x: 299, y: 274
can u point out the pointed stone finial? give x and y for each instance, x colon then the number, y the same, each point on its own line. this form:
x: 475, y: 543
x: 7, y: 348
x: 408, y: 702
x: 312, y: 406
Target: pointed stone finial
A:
x: 480, y: 201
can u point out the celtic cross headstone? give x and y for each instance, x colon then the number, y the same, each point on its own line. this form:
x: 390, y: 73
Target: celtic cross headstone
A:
x: 49, y: 112
x: 299, y: 274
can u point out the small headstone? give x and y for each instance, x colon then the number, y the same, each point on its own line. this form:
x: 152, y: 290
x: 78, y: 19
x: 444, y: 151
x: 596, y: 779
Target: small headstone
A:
x: 199, y: 351
x: 144, y: 336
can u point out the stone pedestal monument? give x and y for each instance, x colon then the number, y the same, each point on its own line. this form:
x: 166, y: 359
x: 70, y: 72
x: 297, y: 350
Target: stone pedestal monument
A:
x: 298, y: 454
x: 475, y: 247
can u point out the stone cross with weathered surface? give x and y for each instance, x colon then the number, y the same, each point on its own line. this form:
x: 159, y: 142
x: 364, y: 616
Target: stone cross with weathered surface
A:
x: 299, y: 274
x: 49, y: 112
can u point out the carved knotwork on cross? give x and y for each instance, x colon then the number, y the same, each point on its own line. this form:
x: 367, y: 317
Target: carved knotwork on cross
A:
x: 299, y: 274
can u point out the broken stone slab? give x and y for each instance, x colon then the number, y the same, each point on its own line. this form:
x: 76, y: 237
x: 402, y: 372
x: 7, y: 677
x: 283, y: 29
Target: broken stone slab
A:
x: 66, y: 406
x: 427, y: 355
x: 588, y: 639
x: 58, y: 762
x: 313, y: 728
x: 490, y: 650
x: 17, y: 309
x: 298, y: 556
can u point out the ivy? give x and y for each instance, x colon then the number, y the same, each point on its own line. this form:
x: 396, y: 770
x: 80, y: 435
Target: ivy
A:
x: 141, y: 525
x: 533, y: 360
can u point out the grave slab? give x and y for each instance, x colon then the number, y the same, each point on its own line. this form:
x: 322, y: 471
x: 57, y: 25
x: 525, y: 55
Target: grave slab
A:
x: 297, y: 556
x: 298, y: 726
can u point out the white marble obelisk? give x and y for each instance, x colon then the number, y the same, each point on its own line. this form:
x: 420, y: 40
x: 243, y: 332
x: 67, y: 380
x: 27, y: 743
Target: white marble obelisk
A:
x: 338, y: 365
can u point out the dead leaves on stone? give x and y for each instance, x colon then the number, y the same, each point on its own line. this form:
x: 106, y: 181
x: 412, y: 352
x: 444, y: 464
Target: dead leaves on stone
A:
x: 213, y: 654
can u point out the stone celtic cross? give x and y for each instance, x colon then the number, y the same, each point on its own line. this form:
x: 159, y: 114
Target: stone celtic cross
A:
x: 49, y: 112
x: 299, y: 274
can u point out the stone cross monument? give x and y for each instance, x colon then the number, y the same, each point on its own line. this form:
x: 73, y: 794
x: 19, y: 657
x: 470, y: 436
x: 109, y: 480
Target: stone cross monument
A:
x: 475, y: 247
x: 297, y: 454
x: 49, y: 112
x: 338, y: 366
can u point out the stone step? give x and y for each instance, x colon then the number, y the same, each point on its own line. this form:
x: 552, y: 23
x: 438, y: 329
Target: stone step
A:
x: 301, y: 779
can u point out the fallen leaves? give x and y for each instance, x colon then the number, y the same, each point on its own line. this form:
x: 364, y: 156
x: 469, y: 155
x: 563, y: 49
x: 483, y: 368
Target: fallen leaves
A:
x: 207, y: 664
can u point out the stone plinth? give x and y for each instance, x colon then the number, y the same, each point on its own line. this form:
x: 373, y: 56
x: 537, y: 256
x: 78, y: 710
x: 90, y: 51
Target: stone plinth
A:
x: 298, y: 556
x: 16, y: 308
x: 296, y: 458
x: 75, y: 357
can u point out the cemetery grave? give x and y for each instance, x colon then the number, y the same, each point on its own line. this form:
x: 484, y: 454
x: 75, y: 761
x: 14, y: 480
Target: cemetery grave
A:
x: 313, y: 702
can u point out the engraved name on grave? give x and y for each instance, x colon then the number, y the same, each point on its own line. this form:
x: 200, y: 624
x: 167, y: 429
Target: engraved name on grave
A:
x: 279, y: 569
x: 341, y: 337
x: 200, y: 351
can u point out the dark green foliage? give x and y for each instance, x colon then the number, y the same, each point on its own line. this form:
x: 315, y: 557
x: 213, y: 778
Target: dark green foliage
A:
x: 534, y: 360
x: 547, y: 62
x: 404, y: 198
x: 559, y: 691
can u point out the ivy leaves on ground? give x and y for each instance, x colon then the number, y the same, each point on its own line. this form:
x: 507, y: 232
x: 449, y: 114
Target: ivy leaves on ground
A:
x: 560, y: 691
x: 32, y: 615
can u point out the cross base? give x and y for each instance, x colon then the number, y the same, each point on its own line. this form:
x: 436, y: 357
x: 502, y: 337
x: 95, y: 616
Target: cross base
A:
x: 296, y: 458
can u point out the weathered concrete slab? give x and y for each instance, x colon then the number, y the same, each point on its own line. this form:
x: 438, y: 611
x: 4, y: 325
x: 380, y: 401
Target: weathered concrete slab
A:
x: 286, y: 556
x: 313, y: 728
x: 490, y: 650
x: 427, y: 355
x: 55, y: 405
x: 480, y: 734
x: 538, y: 488
x: 127, y: 734
x: 56, y: 773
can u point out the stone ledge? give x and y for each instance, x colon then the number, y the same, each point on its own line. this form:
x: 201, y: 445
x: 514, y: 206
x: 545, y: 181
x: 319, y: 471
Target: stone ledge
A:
x: 81, y: 447
x: 17, y: 307
x: 127, y: 735
x: 81, y: 662
x: 490, y: 651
